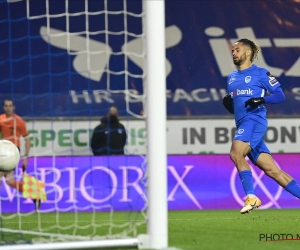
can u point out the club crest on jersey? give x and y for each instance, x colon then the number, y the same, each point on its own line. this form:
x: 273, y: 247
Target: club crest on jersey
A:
x: 247, y: 79
x: 231, y: 80
x: 273, y: 81
x: 240, y: 131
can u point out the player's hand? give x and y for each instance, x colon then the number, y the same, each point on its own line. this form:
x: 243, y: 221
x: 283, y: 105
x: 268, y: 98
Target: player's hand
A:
x: 228, y: 103
x: 227, y: 100
x: 255, y: 102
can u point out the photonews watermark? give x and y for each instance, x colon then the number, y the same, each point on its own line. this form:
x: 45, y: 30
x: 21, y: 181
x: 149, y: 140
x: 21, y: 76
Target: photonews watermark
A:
x: 278, y: 237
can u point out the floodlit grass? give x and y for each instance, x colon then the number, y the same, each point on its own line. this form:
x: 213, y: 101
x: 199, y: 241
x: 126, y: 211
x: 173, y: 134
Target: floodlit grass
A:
x: 231, y: 230
x: 222, y: 229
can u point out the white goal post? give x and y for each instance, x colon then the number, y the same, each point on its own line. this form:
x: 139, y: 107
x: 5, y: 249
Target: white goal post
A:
x: 156, y: 236
x: 156, y: 123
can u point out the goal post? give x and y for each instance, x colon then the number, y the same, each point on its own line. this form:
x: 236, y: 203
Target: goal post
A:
x: 81, y: 50
x: 156, y: 123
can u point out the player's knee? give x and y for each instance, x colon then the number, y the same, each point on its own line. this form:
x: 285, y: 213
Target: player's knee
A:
x: 235, y: 156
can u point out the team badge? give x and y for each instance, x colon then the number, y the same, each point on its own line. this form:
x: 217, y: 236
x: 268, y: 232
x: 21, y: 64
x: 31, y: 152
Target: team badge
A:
x: 240, y: 131
x: 247, y: 79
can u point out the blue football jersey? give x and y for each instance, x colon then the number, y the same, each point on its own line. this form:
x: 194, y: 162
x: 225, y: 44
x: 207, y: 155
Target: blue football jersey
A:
x: 249, y: 83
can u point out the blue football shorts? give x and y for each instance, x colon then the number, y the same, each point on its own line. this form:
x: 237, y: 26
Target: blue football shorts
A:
x: 252, y: 132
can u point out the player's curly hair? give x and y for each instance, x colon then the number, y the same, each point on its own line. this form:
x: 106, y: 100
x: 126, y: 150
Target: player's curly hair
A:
x: 254, y: 47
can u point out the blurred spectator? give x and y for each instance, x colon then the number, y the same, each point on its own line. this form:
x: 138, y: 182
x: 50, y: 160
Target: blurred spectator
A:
x: 109, y: 137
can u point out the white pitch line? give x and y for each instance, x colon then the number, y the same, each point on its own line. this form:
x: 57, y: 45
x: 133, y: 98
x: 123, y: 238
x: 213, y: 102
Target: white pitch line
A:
x: 113, y: 221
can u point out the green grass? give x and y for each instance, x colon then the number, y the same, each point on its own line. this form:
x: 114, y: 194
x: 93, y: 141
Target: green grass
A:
x: 231, y: 230
x: 188, y: 230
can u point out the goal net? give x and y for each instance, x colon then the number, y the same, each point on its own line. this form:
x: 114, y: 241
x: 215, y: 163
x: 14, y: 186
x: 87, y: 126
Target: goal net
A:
x: 65, y: 64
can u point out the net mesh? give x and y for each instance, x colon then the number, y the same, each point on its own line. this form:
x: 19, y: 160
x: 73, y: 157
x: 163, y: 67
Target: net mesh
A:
x: 64, y: 63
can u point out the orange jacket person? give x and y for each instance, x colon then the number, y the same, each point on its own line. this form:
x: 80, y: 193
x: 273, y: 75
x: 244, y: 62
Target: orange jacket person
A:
x: 12, y: 128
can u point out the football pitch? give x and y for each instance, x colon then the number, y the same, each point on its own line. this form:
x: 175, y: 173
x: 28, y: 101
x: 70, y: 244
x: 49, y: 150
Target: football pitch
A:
x: 202, y: 229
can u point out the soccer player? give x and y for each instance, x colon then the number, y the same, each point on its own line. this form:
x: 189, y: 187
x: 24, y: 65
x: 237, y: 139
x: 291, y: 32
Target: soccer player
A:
x: 247, y: 87
x: 12, y: 128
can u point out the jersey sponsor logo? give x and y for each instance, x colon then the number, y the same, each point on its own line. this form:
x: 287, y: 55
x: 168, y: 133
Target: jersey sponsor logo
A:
x: 273, y: 81
x: 241, y: 92
x: 231, y: 80
x: 247, y: 79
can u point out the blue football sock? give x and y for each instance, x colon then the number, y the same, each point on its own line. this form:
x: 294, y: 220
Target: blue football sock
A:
x: 293, y: 188
x: 246, y: 178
